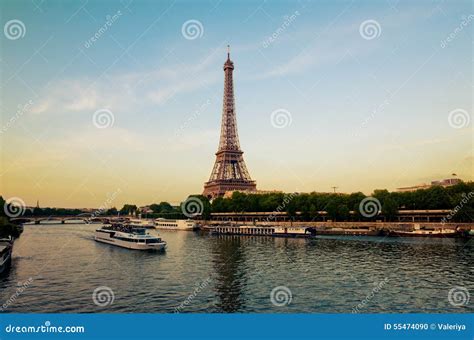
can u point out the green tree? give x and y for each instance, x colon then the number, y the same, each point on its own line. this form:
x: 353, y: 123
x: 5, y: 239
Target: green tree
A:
x: 129, y: 209
x: 291, y: 208
x: 343, y: 212
x: 331, y: 209
x: 2, y: 205
x: 390, y: 209
x: 8, y: 229
x: 112, y: 211
x: 313, y: 212
x: 239, y: 202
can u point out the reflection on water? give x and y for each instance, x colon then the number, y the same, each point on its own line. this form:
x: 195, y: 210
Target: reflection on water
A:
x: 229, y: 263
x: 324, y: 275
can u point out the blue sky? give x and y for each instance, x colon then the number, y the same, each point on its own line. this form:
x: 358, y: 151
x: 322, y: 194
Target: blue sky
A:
x: 365, y: 113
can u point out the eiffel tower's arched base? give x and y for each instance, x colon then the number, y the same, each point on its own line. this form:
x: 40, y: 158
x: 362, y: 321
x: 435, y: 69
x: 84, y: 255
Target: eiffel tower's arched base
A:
x: 218, y: 188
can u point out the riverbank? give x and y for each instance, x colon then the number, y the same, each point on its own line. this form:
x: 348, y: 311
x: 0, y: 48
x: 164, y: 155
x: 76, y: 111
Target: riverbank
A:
x: 374, y: 225
x: 306, y: 229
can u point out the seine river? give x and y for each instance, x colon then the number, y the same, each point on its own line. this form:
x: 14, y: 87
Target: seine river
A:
x: 57, y: 268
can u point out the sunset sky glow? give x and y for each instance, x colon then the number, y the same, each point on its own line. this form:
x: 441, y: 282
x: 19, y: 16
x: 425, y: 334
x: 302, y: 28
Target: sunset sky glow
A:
x: 363, y: 114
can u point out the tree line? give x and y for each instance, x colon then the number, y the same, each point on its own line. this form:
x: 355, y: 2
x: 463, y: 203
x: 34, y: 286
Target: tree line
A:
x: 307, y: 206
x: 346, y: 207
x: 158, y: 210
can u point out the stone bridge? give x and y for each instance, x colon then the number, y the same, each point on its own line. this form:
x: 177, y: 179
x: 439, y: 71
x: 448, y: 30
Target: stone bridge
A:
x: 85, y: 218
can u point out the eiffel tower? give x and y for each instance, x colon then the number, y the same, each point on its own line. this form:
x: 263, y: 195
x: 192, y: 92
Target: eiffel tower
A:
x: 229, y: 171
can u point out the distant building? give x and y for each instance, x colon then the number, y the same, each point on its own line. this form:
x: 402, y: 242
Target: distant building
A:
x: 446, y: 182
x: 443, y: 182
x: 146, y: 209
x: 414, y: 187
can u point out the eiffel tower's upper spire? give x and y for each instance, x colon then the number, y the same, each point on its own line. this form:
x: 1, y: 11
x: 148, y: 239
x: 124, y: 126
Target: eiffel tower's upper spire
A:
x: 228, y: 64
x: 229, y: 139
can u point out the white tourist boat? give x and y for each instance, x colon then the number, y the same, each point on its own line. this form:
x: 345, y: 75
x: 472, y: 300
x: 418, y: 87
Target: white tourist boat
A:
x: 129, y: 237
x: 139, y: 223
x: 162, y: 223
x: 6, y: 247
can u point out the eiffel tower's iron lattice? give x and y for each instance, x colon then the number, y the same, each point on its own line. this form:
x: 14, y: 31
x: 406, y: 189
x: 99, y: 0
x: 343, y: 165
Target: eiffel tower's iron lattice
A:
x: 229, y: 171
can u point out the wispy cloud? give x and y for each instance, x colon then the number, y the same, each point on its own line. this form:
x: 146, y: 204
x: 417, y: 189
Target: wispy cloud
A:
x: 127, y: 91
x: 331, y: 43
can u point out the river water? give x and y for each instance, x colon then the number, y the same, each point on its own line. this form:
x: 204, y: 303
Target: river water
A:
x: 57, y: 268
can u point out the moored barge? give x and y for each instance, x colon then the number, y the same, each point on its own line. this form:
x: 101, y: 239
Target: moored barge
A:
x: 292, y: 231
x: 425, y: 232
